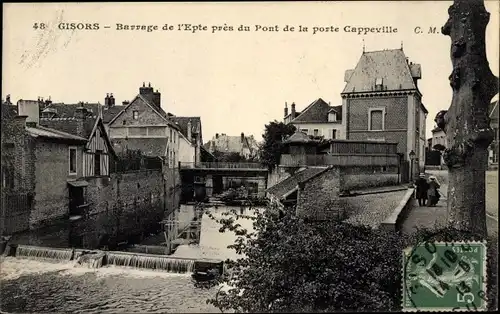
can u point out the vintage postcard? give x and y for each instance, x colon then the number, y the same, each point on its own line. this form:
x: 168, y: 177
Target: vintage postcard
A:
x: 294, y: 156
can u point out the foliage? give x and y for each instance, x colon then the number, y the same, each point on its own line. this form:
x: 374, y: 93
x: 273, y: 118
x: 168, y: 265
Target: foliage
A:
x: 270, y: 149
x: 290, y: 265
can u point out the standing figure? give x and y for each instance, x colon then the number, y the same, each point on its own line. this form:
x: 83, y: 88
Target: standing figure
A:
x: 421, y: 189
x: 433, y: 191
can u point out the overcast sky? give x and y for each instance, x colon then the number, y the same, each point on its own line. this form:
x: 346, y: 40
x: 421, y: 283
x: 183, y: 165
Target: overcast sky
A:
x: 236, y: 81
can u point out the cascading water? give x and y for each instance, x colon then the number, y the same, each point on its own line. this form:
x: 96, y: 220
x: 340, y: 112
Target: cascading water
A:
x: 43, y: 253
x: 90, y: 259
x: 156, y: 262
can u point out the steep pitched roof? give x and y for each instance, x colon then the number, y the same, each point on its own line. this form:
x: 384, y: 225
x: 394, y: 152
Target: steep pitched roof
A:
x: 390, y: 65
x: 288, y: 185
x: 62, y: 110
x: 160, y: 112
x: 182, y: 122
x: 108, y: 113
x: 48, y: 133
x: 318, y: 111
x: 71, y: 125
x: 152, y: 147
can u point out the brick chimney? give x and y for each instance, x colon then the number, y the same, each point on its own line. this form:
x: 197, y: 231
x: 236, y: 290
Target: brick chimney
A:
x: 157, y: 99
x: 242, y: 137
x: 286, y: 109
x: 106, y: 101
x: 147, y: 93
x: 216, y: 135
x: 293, y: 111
x: 189, y: 129
x: 111, y: 100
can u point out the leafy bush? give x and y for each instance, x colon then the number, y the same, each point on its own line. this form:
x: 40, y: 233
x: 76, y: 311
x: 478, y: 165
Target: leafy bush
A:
x: 290, y: 265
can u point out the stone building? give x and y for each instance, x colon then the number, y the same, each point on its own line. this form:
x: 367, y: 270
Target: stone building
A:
x: 381, y: 101
x: 244, y: 145
x: 317, y: 119
x: 39, y: 165
x: 143, y: 125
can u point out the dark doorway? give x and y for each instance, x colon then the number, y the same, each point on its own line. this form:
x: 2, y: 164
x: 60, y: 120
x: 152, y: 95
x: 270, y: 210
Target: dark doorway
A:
x: 76, y: 201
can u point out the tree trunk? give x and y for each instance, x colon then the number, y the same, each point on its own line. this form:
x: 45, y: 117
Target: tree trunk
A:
x: 466, y: 123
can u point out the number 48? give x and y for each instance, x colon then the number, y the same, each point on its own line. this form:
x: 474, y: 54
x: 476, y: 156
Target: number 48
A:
x: 39, y: 26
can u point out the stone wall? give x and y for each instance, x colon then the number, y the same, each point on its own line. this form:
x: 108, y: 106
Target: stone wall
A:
x: 17, y: 193
x: 318, y: 198
x: 105, y: 193
x: 51, y: 199
x: 365, y: 177
x: 276, y: 176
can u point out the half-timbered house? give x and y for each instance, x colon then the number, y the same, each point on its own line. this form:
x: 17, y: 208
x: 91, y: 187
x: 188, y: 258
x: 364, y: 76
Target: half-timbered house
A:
x: 98, y: 153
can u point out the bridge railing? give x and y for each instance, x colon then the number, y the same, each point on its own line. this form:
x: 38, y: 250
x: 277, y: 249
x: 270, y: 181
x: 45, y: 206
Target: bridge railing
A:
x: 222, y: 165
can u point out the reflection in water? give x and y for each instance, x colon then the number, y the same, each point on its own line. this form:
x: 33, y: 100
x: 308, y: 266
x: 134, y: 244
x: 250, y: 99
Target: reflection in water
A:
x: 35, y: 285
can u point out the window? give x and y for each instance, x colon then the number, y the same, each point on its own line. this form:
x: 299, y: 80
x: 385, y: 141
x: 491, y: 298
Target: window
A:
x: 97, y: 163
x: 316, y: 132
x: 305, y: 131
x: 170, y: 135
x: 8, y: 177
x: 72, y: 160
x: 332, y: 117
x: 376, y: 117
x: 135, y: 114
x: 333, y: 134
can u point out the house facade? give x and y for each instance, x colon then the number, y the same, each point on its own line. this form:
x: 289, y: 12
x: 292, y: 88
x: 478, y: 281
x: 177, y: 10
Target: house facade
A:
x: 243, y: 145
x: 317, y: 119
x: 143, y: 125
x: 80, y: 120
x: 381, y: 102
x: 51, y: 162
x: 438, y: 137
x: 190, y: 140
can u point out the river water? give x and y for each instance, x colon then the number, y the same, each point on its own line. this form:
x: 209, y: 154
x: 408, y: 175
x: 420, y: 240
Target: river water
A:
x: 34, y: 285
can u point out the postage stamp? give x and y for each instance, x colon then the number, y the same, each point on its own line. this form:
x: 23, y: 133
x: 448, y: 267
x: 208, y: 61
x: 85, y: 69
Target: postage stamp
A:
x: 445, y: 276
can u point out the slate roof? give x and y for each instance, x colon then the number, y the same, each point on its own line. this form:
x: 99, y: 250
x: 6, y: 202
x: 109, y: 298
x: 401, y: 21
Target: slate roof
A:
x: 289, y: 184
x: 43, y: 132
x: 152, y: 147
x: 108, y: 113
x: 182, y: 122
x: 298, y: 137
x: 318, y: 111
x: 148, y: 102
x: 390, y: 65
x: 70, y: 125
x: 62, y: 110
